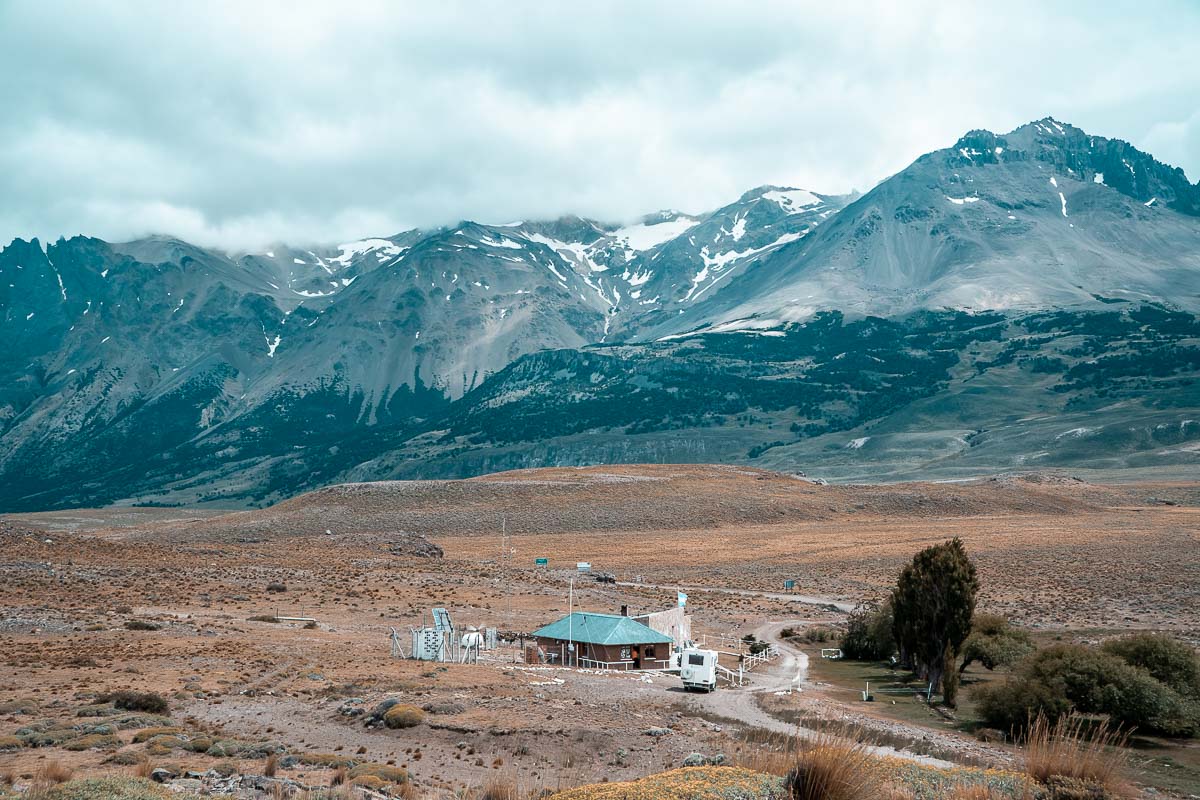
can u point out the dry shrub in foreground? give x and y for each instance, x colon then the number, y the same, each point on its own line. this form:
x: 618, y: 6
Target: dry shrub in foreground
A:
x: 829, y: 766
x: 499, y: 788
x: 832, y: 768
x: 53, y: 772
x: 1071, y: 749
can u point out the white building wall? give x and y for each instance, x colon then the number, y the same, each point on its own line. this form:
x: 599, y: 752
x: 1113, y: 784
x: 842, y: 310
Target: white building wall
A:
x: 672, y: 622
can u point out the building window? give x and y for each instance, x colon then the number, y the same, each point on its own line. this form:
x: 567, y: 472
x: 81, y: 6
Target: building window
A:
x: 626, y: 653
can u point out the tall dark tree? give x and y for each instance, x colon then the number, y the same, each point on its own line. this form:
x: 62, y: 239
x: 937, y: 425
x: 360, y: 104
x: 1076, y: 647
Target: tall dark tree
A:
x: 932, y: 606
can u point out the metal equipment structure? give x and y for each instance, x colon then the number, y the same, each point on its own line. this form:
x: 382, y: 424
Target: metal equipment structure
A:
x: 442, y: 642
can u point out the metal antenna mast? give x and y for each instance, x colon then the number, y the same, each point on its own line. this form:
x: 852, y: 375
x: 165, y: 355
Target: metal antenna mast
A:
x: 506, y: 567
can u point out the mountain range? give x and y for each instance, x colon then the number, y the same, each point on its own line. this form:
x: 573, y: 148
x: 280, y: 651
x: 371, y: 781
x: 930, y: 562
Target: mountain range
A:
x: 1011, y: 302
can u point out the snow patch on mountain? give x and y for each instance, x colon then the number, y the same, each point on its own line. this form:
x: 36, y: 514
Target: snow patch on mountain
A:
x: 643, y: 236
x: 383, y: 248
x: 793, y: 201
x: 716, y: 265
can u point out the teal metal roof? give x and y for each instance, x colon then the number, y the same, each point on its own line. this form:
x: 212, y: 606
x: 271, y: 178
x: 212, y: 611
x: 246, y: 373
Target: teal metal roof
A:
x: 583, y: 626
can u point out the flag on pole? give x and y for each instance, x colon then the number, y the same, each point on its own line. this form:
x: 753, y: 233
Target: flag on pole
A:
x: 682, y: 599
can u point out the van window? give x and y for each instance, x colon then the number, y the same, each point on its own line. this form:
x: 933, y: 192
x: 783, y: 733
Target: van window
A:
x: 696, y: 659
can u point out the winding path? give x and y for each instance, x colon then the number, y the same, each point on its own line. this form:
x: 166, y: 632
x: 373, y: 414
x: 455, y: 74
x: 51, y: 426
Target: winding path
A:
x: 788, y: 673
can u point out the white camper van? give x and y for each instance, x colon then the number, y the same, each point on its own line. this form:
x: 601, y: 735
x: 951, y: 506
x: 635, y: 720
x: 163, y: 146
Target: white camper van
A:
x: 698, y: 668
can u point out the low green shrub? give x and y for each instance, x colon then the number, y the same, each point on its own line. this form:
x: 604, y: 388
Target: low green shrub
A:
x: 126, y: 758
x: 164, y: 743
x: 52, y: 737
x: 1070, y: 678
x: 226, y: 748
x: 110, y: 788
x: 1168, y: 660
x: 92, y: 741
x: 27, y: 707
x: 141, y: 625
x: 97, y: 710
x: 147, y: 734
x: 198, y: 744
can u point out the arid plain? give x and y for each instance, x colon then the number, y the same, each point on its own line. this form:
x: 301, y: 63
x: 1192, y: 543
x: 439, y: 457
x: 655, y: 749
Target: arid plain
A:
x: 173, y: 601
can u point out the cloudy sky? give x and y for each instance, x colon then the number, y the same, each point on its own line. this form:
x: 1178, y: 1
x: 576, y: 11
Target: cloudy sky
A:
x: 242, y: 123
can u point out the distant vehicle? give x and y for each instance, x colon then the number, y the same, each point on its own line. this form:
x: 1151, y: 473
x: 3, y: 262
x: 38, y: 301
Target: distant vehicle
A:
x: 698, y: 669
x: 604, y: 577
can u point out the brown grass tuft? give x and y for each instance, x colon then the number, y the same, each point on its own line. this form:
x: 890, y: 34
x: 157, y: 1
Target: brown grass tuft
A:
x: 54, y: 772
x: 833, y: 768
x: 1070, y: 748
x: 272, y: 765
x: 499, y: 787
x: 143, y: 768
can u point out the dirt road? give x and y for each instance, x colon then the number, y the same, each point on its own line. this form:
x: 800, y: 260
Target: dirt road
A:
x: 804, y: 599
x: 787, y: 673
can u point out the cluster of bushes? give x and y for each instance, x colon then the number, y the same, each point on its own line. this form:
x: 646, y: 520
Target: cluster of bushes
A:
x: 150, y: 702
x: 754, y: 645
x: 1146, y: 681
x: 816, y: 634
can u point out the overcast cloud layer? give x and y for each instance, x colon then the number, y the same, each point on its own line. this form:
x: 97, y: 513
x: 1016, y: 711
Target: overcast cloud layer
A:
x: 244, y: 123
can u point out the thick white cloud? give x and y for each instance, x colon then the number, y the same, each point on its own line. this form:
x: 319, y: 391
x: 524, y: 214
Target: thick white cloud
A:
x: 238, y: 124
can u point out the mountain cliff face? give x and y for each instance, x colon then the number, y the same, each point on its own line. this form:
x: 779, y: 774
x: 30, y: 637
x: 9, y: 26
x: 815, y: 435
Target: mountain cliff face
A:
x: 941, y: 324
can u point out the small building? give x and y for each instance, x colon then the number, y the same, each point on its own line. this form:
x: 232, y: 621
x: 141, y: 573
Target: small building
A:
x: 602, y: 641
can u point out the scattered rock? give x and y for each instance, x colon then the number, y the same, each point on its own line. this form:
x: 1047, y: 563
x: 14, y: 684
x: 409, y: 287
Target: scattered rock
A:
x: 163, y: 774
x: 411, y: 544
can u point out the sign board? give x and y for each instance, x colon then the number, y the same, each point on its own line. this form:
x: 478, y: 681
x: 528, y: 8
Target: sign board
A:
x: 541, y: 562
x: 789, y: 584
x: 583, y: 566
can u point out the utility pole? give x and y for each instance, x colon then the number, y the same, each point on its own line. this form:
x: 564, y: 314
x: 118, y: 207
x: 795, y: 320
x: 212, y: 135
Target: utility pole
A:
x: 571, y: 621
